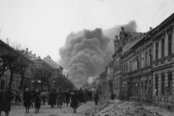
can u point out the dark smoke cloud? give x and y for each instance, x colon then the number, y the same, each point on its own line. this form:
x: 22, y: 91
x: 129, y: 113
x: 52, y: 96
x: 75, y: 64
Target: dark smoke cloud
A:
x: 87, y: 52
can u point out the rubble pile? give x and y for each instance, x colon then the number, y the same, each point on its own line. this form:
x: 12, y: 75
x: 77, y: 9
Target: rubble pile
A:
x: 122, y: 108
x: 117, y: 108
x: 101, y: 106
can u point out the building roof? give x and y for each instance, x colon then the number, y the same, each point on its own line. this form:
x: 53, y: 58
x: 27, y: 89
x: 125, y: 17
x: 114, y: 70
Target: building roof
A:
x: 146, y: 35
x: 9, y: 50
x: 134, y: 38
x: 163, y: 24
x: 51, y: 62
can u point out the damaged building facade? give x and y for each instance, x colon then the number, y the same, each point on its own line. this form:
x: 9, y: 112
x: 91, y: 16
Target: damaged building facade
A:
x: 143, y: 64
x: 163, y: 62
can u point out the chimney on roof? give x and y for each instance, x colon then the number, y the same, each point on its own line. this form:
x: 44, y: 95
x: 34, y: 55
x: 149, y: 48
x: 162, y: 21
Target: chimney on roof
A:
x: 7, y: 41
x: 49, y: 57
x: 116, y: 37
x: 122, y: 29
x: 26, y: 50
x: 30, y: 52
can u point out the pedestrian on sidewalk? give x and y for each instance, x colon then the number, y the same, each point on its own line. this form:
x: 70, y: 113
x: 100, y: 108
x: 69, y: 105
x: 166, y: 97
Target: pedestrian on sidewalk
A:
x: 5, y: 101
x: 27, y: 100
x: 96, y: 97
x: 37, y: 101
x: 112, y: 96
x: 17, y: 97
x: 81, y: 96
x: 52, y: 98
x: 67, y: 98
x: 44, y: 99
x: 74, y: 101
x: 59, y: 99
x: 1, y: 100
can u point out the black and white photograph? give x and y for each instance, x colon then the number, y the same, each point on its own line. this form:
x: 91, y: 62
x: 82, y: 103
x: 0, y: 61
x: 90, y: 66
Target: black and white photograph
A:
x: 86, y: 57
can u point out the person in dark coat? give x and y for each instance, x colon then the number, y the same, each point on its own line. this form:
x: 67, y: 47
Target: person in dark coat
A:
x: 37, y: 101
x: 96, y: 97
x: 5, y: 103
x: 1, y: 100
x: 27, y: 99
x: 112, y: 95
x: 81, y: 96
x: 67, y: 97
x: 52, y: 98
x: 44, y: 99
x: 17, y: 99
x: 32, y: 98
x: 74, y: 101
x: 59, y: 99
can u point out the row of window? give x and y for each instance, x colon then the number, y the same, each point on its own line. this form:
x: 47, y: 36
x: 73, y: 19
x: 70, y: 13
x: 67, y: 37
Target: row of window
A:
x: 131, y: 65
x: 135, y: 63
x: 116, y: 66
x: 165, y: 88
x: 163, y: 45
x: 146, y: 56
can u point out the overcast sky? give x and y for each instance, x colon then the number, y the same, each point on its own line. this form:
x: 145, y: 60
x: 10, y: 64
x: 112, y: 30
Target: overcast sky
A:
x: 43, y: 25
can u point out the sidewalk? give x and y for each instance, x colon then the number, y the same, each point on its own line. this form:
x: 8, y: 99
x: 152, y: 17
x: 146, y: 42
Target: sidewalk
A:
x: 18, y: 110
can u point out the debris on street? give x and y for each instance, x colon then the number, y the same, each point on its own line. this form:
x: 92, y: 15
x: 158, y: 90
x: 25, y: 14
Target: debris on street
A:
x: 126, y: 108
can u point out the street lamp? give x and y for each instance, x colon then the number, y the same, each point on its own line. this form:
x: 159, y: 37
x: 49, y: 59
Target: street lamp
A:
x: 39, y: 81
x: 32, y: 84
x: 53, y: 85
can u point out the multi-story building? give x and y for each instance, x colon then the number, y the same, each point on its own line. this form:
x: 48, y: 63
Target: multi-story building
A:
x: 117, y: 65
x: 143, y: 65
x: 103, y: 84
x: 126, y: 62
x: 163, y: 62
x: 110, y: 78
x: 136, y: 68
x: 146, y: 61
x: 56, y: 67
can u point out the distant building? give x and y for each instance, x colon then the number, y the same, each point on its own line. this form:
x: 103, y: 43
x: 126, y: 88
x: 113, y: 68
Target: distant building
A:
x: 57, y: 68
x: 29, y: 54
x: 51, y: 62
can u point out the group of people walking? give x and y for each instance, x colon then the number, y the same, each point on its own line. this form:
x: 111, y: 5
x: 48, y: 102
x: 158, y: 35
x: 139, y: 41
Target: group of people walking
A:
x: 29, y: 98
x: 72, y: 98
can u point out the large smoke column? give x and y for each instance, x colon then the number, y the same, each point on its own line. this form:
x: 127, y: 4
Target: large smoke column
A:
x: 86, y: 53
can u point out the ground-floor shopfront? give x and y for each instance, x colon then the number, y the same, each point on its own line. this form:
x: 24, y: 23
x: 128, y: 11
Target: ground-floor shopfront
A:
x: 137, y: 86
x: 163, y: 85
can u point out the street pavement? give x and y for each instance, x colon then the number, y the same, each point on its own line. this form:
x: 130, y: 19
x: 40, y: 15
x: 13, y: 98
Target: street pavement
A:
x: 104, y: 108
x: 48, y: 111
